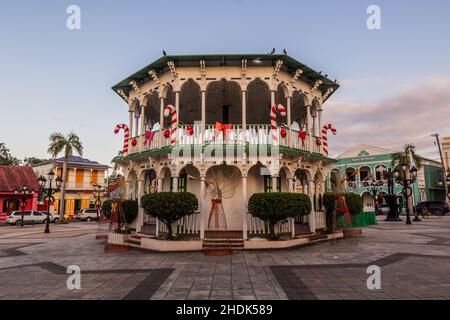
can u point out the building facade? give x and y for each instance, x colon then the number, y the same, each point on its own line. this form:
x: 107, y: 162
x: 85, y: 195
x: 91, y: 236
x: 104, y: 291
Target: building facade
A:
x: 81, y: 175
x: 225, y: 134
x: 446, y: 151
x: 13, y: 178
x: 356, y: 168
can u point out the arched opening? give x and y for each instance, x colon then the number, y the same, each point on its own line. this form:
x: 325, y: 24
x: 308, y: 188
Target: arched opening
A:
x: 298, y: 110
x: 259, y: 179
x: 190, y: 103
x: 381, y: 172
x: 315, y: 107
x: 10, y: 205
x: 169, y: 98
x: 167, y: 181
x: 150, y: 181
x: 365, y: 174
x: 132, y: 185
x: 301, y: 178
x: 336, y: 183
x: 368, y: 202
x: 189, y: 180
x: 318, y: 191
x: 350, y: 177
x: 223, y: 102
x: 152, y: 109
x: 258, y: 103
x: 223, y: 203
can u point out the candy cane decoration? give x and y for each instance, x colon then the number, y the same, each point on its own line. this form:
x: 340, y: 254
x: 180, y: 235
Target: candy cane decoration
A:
x: 126, y: 136
x: 171, y: 110
x: 273, y: 121
x: 324, y: 136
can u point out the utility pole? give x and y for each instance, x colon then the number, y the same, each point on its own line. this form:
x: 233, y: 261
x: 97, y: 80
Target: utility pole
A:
x: 436, y: 135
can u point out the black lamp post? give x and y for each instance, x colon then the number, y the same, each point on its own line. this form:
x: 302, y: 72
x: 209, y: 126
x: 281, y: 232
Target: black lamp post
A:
x: 48, y: 192
x: 24, y: 192
x: 447, y: 180
x: 375, y: 188
x: 406, y: 184
x: 99, y: 194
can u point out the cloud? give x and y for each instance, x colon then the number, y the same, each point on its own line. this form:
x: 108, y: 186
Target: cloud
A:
x: 410, y: 115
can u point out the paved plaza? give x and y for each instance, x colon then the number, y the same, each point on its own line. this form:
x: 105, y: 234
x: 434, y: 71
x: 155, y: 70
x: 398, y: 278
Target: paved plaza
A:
x: 414, y: 262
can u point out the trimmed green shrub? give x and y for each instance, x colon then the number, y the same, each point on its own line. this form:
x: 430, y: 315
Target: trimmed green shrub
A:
x: 354, y: 202
x: 168, y: 207
x: 274, y: 207
x: 130, y: 210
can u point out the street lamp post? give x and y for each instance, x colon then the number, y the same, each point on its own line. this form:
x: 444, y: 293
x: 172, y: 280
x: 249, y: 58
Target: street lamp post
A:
x: 24, y: 192
x: 375, y: 187
x: 99, y: 194
x: 48, y: 192
x: 447, y: 181
x: 406, y: 184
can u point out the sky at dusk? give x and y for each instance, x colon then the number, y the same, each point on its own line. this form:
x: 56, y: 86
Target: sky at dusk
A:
x: 395, y: 82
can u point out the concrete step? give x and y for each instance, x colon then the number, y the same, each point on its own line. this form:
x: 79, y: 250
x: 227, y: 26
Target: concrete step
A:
x: 133, y: 241
x: 223, y: 244
x: 223, y: 234
x: 317, y: 237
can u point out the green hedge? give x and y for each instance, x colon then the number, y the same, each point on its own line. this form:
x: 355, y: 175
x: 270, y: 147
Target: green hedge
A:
x: 130, y: 210
x: 168, y: 207
x: 278, y: 206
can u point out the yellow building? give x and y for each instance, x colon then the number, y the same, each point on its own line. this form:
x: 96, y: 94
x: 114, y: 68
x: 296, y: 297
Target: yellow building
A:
x: 446, y: 151
x: 81, y: 175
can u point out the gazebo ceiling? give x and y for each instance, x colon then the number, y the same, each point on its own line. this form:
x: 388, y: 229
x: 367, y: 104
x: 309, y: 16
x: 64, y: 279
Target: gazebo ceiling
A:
x: 180, y: 61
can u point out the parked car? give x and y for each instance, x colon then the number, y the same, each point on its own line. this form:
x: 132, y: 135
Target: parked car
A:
x: 383, y: 209
x: 88, y: 215
x: 53, y: 217
x: 438, y: 208
x: 29, y: 217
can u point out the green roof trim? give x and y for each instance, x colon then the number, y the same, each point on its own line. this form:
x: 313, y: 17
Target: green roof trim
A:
x: 160, y: 66
x: 284, y: 150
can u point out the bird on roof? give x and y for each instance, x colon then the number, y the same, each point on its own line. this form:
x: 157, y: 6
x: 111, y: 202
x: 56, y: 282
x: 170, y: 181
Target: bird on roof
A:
x: 284, y: 51
x: 273, y: 51
x: 164, y: 53
x: 326, y: 76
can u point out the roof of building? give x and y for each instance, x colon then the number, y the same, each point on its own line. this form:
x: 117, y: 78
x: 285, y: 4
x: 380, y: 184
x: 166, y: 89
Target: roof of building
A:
x: 370, y: 151
x: 291, y: 64
x: 75, y: 161
x: 15, y: 177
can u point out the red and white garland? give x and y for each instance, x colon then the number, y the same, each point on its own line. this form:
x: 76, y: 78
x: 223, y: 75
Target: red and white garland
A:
x: 325, y: 134
x: 126, y: 136
x: 171, y: 110
x: 273, y: 121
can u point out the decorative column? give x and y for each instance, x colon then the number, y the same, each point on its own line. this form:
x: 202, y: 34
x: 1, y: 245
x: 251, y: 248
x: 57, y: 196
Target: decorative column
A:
x: 203, y: 99
x: 174, y: 183
x: 161, y: 122
x: 177, y: 106
x: 202, y: 207
x: 130, y: 126
x: 274, y: 183
x: 244, y: 117
x: 314, y: 131
x: 136, y: 117
x: 141, y: 137
x: 319, y: 118
x: 291, y: 190
x: 272, y: 98
x: 245, y: 203
x: 308, y: 128
x: 312, y: 216
x: 160, y: 184
x: 140, y: 217
x: 289, y: 121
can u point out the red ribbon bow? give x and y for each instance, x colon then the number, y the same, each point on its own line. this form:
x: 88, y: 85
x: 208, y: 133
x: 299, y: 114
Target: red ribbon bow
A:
x: 225, y: 128
x: 149, y: 137
x: 302, y: 135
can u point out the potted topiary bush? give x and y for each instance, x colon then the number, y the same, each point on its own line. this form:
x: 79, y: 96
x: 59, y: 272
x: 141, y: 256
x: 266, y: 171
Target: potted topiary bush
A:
x: 169, y: 207
x: 275, y: 207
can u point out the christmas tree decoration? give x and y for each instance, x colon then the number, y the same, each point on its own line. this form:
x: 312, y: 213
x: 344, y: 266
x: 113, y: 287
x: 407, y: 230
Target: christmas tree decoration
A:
x: 302, y: 135
x: 126, y: 136
x: 172, y: 111
x: 134, y: 142
x: 273, y: 121
x: 283, y: 132
x: 325, y: 134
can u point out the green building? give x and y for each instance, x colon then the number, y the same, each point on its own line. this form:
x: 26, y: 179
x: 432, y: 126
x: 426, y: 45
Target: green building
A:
x: 356, y: 167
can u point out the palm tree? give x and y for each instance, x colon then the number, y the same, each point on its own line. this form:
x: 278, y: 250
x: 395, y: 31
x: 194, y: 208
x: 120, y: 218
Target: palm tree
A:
x: 66, y: 144
x: 408, y: 157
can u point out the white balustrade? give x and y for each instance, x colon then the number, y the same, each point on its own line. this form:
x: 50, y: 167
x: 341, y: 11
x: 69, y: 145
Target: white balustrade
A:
x: 256, y: 134
x: 258, y: 226
x: 186, y: 225
x: 321, y: 220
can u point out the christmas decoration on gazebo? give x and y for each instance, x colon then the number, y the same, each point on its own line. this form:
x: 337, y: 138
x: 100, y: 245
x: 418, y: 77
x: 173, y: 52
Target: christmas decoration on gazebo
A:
x: 325, y: 129
x: 273, y: 121
x: 126, y: 135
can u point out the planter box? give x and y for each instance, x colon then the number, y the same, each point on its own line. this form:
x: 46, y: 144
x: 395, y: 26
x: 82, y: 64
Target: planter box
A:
x: 266, y: 244
x: 170, y: 246
x: 117, y: 238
